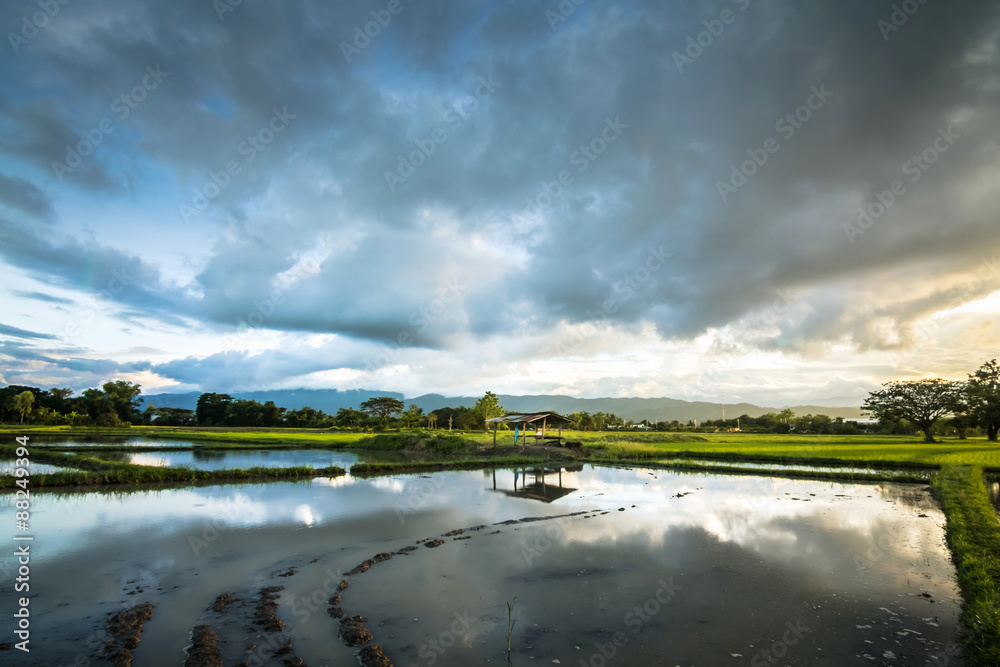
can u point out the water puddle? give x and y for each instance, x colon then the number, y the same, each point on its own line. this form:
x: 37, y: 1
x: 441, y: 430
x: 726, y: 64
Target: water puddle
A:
x: 7, y: 467
x: 602, y: 566
x: 215, y: 459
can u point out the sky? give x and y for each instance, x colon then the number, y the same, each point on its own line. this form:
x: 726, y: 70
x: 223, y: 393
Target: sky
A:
x: 775, y: 201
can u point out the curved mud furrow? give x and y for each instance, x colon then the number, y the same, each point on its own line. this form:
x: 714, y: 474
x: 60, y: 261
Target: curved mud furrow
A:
x: 125, y: 629
x: 354, y: 632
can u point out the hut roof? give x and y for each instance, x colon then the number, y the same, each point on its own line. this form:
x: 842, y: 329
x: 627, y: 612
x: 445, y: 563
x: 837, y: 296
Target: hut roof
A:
x: 530, y: 418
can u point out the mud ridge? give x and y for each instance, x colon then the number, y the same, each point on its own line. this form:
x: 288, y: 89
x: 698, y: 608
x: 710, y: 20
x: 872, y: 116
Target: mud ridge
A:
x: 204, y: 651
x: 125, y: 629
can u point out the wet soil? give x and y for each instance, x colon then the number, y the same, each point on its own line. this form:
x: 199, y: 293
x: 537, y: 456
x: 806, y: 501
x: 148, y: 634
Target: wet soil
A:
x: 124, y: 630
x: 204, y: 650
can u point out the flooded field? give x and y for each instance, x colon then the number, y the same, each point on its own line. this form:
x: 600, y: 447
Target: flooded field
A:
x: 792, y: 467
x: 7, y: 467
x: 97, y: 441
x: 602, y: 566
x: 203, y: 459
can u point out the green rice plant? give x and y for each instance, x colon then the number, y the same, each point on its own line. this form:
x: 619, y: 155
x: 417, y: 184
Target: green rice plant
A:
x: 511, y: 620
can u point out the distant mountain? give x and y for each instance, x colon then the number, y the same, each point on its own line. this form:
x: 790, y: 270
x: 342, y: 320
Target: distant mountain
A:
x: 654, y: 409
x: 637, y: 409
x: 327, y: 400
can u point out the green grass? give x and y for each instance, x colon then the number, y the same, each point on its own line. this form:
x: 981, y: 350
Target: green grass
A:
x: 867, y: 449
x: 848, y: 475
x: 276, y: 436
x: 418, y: 441
x: 368, y: 469
x: 973, y: 535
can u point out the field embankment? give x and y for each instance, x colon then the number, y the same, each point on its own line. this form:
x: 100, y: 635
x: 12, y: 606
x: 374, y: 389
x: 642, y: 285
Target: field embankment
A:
x: 973, y: 534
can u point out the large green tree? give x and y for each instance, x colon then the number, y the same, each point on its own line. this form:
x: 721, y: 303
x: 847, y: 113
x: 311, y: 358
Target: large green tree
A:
x: 211, y: 409
x: 382, y: 407
x: 123, y: 399
x: 413, y: 415
x: 921, y: 402
x: 982, y: 394
x: 488, y: 407
x: 23, y: 403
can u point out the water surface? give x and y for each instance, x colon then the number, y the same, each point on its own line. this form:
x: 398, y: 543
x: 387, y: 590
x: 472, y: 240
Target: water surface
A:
x: 627, y: 567
x: 217, y: 459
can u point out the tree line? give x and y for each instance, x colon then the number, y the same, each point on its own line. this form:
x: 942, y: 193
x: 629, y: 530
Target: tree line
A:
x: 971, y: 403
x: 116, y: 403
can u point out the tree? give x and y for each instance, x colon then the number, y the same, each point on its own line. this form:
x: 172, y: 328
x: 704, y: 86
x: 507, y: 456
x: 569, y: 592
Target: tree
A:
x: 432, y: 420
x: 211, y: 409
x: 922, y: 402
x: 23, y: 403
x: 488, y: 407
x: 413, y: 415
x: 382, y: 407
x: 982, y: 393
x: 350, y: 418
x: 123, y: 399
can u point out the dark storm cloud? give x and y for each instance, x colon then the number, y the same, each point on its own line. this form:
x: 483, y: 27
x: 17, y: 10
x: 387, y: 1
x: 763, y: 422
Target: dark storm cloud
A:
x: 24, y: 196
x: 520, y: 103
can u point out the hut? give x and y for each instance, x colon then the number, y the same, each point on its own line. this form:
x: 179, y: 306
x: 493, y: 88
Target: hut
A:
x: 540, y: 421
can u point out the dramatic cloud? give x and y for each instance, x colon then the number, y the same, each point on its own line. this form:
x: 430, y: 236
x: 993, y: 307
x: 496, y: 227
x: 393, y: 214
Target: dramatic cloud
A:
x: 635, y: 197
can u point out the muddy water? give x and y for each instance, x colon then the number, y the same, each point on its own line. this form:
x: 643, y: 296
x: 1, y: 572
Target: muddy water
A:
x: 626, y: 567
x: 202, y: 459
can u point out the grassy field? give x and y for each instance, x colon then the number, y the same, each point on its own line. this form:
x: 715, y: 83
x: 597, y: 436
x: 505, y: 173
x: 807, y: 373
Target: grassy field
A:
x: 973, y: 534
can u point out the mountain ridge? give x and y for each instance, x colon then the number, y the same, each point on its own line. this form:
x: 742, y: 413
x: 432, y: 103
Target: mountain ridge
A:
x: 635, y: 408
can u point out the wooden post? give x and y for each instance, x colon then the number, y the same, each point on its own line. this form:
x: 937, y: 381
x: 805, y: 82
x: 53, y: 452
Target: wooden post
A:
x: 494, y: 435
x: 543, y: 430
